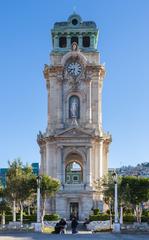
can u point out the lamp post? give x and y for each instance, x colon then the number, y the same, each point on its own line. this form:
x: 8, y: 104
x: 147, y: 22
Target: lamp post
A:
x: 116, y: 226
x: 38, y: 198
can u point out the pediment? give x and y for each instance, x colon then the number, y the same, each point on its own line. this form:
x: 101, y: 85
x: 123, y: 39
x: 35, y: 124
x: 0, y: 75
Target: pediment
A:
x: 74, y: 132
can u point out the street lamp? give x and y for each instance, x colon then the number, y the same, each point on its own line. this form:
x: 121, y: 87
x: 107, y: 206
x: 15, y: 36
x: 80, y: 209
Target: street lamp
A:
x: 116, y: 226
x: 38, y: 197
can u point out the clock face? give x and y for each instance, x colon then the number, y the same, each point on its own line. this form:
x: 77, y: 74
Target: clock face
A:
x: 74, y: 69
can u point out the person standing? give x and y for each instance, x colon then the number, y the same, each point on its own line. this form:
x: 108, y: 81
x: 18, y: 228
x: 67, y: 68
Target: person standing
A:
x: 74, y: 225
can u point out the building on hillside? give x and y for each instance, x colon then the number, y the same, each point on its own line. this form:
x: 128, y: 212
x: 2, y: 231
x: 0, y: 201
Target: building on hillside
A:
x: 74, y: 147
x: 141, y: 170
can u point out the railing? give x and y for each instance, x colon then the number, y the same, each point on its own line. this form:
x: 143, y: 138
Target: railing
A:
x: 74, y: 187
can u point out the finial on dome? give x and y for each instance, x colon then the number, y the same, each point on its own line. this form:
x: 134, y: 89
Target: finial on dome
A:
x: 74, y: 9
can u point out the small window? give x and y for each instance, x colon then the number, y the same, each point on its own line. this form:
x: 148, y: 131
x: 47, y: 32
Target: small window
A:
x: 74, y: 21
x: 86, y: 41
x: 75, y: 178
x: 74, y: 39
x: 68, y: 179
x: 62, y: 42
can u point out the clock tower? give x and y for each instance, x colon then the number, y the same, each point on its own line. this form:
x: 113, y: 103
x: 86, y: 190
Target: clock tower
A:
x: 74, y: 147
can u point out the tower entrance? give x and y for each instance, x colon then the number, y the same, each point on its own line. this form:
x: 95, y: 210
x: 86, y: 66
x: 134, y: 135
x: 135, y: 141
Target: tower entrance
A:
x: 74, y: 210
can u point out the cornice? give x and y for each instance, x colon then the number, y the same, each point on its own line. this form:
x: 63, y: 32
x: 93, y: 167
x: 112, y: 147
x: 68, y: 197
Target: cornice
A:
x: 52, y: 70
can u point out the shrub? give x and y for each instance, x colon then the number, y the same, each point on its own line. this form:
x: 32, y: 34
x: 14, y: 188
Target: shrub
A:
x: 129, y: 218
x: 128, y: 211
x: 96, y: 211
x: 99, y: 217
x: 29, y: 218
x: 145, y: 218
x: 52, y: 217
x: 145, y: 212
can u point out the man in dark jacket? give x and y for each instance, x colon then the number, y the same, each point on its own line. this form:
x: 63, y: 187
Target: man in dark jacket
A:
x: 74, y: 225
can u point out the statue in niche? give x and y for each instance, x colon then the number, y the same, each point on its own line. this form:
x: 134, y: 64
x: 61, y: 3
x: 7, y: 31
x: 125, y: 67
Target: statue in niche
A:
x: 74, y: 107
x: 74, y: 46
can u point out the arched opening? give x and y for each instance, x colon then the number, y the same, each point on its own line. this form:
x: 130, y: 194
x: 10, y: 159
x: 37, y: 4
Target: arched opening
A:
x: 74, y: 39
x: 74, y: 107
x: 73, y: 169
x: 62, y: 42
x: 86, y: 41
x: 74, y: 21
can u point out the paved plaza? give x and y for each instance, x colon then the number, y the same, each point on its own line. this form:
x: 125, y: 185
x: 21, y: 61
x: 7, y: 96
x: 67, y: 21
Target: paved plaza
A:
x: 100, y: 236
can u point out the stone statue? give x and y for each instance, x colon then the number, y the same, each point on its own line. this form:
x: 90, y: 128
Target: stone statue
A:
x: 74, y: 46
x: 74, y: 108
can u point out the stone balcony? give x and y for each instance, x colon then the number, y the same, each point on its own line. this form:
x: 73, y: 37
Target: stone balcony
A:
x: 73, y: 187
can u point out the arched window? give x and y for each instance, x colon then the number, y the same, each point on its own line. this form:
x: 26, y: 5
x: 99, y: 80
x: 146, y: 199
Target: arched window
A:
x: 62, y: 42
x: 74, y: 21
x: 86, y: 41
x: 73, y: 173
x: 74, y: 107
x: 74, y: 39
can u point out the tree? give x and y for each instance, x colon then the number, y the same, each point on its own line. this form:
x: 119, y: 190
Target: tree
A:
x: 3, y: 204
x: 136, y: 192
x: 26, y: 188
x: 12, y: 183
x: 20, y: 184
x: 48, y: 187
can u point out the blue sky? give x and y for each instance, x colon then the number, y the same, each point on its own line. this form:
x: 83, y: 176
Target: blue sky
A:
x: 25, y: 45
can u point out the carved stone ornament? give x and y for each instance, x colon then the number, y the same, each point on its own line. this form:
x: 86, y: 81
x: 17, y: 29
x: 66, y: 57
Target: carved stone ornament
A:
x: 46, y: 71
x: 74, y: 80
x: 74, y: 64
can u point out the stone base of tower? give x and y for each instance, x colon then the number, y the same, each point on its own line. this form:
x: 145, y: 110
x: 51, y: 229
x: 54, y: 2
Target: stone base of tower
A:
x: 74, y: 203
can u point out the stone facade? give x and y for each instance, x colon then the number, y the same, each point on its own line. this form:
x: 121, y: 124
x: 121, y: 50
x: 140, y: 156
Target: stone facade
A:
x: 74, y: 140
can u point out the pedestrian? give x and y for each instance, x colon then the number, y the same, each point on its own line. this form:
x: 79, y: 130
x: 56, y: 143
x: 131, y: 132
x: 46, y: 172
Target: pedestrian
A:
x: 74, y: 225
x: 61, y: 226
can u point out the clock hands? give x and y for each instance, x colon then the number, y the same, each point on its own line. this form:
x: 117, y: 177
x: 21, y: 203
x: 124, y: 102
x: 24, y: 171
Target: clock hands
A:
x: 74, y: 68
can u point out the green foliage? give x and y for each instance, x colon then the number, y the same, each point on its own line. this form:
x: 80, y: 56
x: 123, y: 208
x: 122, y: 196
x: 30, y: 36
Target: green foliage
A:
x: 136, y: 190
x: 52, y: 217
x: 96, y: 211
x: 129, y: 218
x: 128, y: 211
x: 99, y: 217
x: 30, y: 219
x: 4, y: 206
x: 108, y: 188
x: 145, y: 212
x: 20, y: 181
x: 145, y: 218
x: 49, y: 186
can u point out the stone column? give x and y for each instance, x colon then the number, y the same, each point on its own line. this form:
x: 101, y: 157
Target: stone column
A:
x: 92, y: 43
x: 68, y: 41
x: 89, y: 167
x: 56, y: 42
x: 59, y: 163
x: 101, y: 158
x: 43, y: 160
x: 49, y: 119
x: 49, y: 156
x: 62, y: 166
x: 89, y: 103
x: 59, y: 103
x: 80, y: 41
